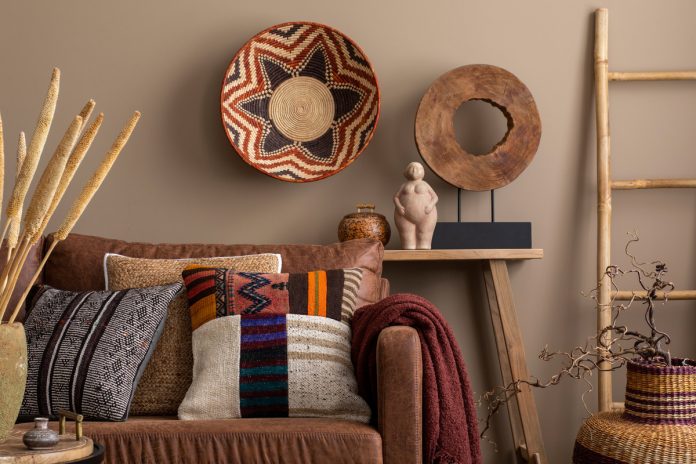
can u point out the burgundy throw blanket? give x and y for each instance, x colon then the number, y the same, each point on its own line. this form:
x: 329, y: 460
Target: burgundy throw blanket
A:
x: 449, y: 416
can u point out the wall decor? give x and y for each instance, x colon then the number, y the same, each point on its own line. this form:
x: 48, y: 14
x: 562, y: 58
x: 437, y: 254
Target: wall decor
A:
x: 439, y: 148
x: 415, y: 211
x: 299, y: 101
x: 436, y: 139
x: 364, y: 223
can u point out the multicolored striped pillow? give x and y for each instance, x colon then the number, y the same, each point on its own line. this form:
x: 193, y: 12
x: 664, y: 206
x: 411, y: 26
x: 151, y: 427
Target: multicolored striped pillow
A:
x: 217, y: 292
x: 272, y: 345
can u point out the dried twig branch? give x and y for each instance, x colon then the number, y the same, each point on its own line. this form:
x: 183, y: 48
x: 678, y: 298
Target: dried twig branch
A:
x: 613, y: 346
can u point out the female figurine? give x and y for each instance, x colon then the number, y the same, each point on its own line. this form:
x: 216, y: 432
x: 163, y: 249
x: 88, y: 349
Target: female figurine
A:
x: 415, y: 213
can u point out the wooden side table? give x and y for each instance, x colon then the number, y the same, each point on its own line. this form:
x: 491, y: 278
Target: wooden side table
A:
x: 522, y: 411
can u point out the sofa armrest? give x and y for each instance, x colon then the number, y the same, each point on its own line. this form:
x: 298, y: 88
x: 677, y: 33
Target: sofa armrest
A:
x: 400, y: 395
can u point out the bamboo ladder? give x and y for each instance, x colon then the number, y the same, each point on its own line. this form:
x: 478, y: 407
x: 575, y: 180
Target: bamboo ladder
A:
x: 605, y: 185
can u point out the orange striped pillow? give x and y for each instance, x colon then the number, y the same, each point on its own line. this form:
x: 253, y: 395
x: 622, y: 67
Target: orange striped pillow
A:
x: 217, y: 292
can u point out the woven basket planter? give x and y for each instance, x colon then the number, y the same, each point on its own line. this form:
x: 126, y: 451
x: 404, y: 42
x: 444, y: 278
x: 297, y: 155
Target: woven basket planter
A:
x: 658, y: 424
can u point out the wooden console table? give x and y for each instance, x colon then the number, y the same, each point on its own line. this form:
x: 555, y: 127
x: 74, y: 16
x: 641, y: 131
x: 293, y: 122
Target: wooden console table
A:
x: 522, y: 411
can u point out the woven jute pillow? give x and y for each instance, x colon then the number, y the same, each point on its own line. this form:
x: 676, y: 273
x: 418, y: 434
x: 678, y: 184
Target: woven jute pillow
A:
x: 167, y: 376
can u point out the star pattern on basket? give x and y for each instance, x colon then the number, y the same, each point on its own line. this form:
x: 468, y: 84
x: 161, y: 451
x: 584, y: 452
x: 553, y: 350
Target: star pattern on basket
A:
x: 346, y: 99
x: 272, y: 58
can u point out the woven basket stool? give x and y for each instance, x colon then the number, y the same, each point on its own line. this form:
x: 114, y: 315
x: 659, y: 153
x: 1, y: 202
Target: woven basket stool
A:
x: 658, y: 424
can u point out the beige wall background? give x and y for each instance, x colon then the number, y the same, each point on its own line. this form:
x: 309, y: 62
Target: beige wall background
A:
x: 180, y: 181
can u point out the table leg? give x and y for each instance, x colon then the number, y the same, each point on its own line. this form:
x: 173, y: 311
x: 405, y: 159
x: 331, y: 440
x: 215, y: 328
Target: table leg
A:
x: 524, y: 420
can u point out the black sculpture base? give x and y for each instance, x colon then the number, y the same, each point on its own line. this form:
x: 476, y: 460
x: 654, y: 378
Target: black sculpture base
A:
x: 456, y: 235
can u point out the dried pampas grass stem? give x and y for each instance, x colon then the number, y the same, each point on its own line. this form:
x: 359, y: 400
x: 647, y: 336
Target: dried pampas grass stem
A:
x: 46, y: 188
x: 97, y: 178
x: 38, y: 140
x: 73, y: 163
x: 86, y: 112
x: 21, y: 153
x: 14, y: 222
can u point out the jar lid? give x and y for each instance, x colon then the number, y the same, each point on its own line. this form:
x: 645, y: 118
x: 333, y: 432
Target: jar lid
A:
x: 368, y: 206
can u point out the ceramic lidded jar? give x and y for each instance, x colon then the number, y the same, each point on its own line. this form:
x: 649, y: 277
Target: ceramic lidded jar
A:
x: 40, y: 437
x: 365, y: 223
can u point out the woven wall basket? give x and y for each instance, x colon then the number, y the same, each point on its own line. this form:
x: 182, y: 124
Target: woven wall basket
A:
x: 299, y: 101
x: 657, y: 426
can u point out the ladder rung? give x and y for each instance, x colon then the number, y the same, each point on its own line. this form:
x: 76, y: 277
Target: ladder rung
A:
x: 615, y: 406
x: 652, y: 184
x: 625, y: 295
x: 653, y: 76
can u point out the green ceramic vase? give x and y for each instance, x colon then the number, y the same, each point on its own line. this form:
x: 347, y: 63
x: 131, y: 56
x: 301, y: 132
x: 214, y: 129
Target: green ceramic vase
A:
x: 13, y: 374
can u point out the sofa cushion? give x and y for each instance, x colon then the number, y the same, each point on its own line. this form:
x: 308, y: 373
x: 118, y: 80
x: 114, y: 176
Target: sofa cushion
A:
x: 216, y: 292
x: 76, y: 263
x: 168, y: 374
x: 272, y: 345
x: 251, y: 441
x: 87, y: 350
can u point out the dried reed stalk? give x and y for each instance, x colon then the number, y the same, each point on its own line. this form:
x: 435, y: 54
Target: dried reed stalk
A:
x: 11, y: 273
x: 21, y: 152
x: 31, y: 161
x: 86, y: 112
x: 15, y: 222
x: 97, y: 178
x: 38, y: 140
x: 46, y: 188
x: 73, y: 163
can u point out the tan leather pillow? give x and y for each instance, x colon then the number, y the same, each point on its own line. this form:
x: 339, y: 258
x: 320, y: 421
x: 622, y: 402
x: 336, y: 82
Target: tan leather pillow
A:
x: 167, y: 376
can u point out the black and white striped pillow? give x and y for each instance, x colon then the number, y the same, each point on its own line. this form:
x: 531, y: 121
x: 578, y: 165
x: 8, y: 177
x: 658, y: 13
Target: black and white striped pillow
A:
x: 87, y: 350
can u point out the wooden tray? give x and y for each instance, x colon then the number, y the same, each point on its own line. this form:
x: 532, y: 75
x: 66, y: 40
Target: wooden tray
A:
x: 68, y: 449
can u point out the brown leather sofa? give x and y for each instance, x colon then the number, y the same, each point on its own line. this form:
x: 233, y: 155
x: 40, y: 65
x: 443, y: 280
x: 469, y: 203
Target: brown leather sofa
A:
x: 77, y: 264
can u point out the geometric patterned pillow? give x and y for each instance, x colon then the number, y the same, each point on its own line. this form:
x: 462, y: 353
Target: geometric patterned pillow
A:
x: 87, y: 350
x: 217, y: 292
x: 272, y: 345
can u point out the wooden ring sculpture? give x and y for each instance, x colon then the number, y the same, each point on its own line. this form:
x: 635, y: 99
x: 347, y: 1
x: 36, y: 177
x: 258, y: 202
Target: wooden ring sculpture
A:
x: 299, y: 101
x: 438, y: 145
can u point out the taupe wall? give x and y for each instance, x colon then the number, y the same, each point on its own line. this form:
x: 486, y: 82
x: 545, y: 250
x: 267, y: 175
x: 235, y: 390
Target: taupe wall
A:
x: 179, y: 179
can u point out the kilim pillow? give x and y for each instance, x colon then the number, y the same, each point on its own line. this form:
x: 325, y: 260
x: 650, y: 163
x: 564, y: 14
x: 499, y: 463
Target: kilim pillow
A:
x: 272, y: 345
x: 87, y: 350
x: 168, y: 374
